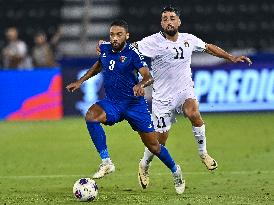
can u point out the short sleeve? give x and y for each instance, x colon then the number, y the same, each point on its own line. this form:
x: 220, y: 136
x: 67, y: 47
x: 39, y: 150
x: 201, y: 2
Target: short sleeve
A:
x: 199, y: 45
x: 138, y: 59
x: 147, y: 47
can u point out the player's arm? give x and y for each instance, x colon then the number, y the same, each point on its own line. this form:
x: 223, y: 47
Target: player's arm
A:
x: 217, y: 51
x: 98, y: 50
x: 94, y: 70
x: 146, y: 81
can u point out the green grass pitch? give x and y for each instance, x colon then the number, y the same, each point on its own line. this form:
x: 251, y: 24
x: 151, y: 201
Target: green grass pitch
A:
x: 40, y: 161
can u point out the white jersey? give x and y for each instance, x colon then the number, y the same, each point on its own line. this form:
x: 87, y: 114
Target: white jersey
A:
x: 170, y: 63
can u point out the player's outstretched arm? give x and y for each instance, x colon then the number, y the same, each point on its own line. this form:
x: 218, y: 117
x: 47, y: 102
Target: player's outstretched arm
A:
x: 216, y: 51
x: 94, y: 70
x: 146, y: 81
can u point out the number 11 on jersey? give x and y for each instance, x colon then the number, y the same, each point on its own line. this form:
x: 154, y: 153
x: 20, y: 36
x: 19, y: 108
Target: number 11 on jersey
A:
x: 178, y: 53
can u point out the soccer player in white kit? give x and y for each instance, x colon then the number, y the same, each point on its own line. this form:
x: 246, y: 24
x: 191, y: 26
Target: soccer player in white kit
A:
x: 173, y: 88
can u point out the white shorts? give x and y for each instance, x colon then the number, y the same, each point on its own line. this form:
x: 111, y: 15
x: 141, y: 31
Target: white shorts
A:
x: 164, y: 113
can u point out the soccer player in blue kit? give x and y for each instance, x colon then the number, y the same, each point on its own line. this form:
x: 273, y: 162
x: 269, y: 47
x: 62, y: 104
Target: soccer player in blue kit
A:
x: 120, y: 64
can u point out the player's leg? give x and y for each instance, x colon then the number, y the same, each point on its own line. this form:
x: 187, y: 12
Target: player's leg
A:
x: 145, y: 162
x: 191, y: 111
x: 162, y: 126
x: 140, y: 120
x: 148, y: 156
x: 94, y: 116
x: 151, y: 142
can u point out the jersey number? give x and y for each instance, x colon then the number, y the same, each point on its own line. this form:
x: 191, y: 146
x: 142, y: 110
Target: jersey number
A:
x: 178, y: 53
x: 161, y: 124
x: 111, y: 65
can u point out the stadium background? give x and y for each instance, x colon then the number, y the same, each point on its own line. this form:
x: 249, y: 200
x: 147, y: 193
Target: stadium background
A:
x: 242, y: 27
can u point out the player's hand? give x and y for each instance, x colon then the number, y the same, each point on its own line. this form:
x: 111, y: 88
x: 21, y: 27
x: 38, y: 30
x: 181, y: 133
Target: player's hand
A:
x: 242, y: 59
x: 98, y: 50
x: 139, y: 90
x: 73, y: 86
x: 134, y: 44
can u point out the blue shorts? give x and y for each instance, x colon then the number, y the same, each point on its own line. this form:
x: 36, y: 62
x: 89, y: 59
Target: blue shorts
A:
x: 136, y: 113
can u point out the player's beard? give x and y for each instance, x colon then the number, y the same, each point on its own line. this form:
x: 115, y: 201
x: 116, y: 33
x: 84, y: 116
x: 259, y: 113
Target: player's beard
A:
x: 170, y: 32
x: 117, y: 46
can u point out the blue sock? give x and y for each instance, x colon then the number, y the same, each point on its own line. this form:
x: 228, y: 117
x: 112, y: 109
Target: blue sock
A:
x: 165, y: 157
x: 98, y: 137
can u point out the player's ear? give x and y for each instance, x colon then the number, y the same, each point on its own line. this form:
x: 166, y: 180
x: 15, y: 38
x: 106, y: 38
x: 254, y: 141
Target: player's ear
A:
x: 179, y: 22
x: 127, y: 36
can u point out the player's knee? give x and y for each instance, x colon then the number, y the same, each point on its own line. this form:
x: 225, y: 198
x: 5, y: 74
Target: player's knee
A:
x: 188, y: 113
x: 162, y: 141
x: 90, y: 116
x: 154, y: 148
x: 192, y: 114
x: 162, y: 138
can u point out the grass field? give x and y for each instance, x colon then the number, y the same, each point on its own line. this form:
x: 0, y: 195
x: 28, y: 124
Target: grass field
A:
x: 40, y: 161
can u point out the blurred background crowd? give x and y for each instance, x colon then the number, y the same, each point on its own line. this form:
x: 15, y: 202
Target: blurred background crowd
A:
x: 38, y: 33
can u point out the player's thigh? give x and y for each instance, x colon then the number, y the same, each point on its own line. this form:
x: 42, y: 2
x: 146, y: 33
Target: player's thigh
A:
x: 139, y: 118
x: 189, y: 104
x: 96, y: 114
x: 112, y: 111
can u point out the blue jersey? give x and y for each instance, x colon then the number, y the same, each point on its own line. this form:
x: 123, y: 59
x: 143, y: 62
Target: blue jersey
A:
x: 120, y: 71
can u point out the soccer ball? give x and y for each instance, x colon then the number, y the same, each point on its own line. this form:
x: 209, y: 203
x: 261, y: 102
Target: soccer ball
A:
x: 85, y: 189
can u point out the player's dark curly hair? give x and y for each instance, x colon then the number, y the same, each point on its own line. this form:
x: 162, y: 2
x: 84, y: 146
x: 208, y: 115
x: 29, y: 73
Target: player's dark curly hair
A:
x: 171, y: 9
x: 121, y: 23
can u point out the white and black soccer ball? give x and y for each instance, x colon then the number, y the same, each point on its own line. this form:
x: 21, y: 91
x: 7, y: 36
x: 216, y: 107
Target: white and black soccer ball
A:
x: 85, y: 189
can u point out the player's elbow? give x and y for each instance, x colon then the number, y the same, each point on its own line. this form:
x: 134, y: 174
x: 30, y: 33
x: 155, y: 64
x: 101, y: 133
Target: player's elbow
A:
x: 209, y: 47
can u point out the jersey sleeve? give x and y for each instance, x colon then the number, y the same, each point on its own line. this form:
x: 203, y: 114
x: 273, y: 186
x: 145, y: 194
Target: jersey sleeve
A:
x: 138, y: 59
x: 147, y: 47
x: 199, y: 45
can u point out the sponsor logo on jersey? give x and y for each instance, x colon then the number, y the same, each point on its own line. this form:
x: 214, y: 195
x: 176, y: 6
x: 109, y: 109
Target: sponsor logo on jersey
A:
x: 186, y: 44
x: 123, y: 59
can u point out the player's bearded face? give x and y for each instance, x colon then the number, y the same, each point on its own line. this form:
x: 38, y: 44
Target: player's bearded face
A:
x: 118, y: 37
x: 170, y: 30
x: 170, y: 23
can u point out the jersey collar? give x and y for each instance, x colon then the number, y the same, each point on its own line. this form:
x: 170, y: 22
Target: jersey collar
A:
x: 162, y: 33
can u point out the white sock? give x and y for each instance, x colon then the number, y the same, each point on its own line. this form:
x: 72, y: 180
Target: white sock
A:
x: 106, y: 160
x: 199, y: 133
x: 147, y: 158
